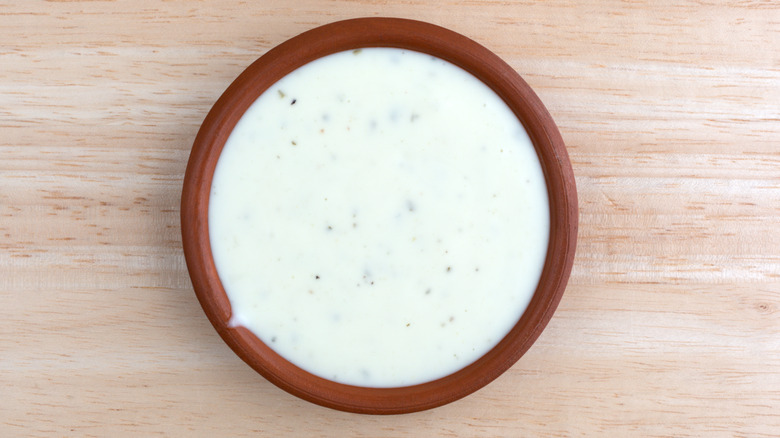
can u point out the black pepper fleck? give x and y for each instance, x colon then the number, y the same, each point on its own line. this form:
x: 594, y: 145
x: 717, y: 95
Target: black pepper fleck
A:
x: 316, y: 277
x: 293, y: 101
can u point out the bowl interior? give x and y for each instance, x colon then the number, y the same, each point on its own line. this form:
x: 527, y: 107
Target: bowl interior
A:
x: 411, y: 35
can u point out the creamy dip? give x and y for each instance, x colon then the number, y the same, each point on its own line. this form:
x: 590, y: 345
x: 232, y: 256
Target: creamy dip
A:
x: 379, y: 217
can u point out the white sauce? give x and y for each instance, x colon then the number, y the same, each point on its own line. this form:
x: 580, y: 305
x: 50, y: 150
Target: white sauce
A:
x: 379, y: 218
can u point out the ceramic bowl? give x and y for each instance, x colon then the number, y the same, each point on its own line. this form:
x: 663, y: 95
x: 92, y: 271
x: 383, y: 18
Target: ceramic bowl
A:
x: 349, y: 35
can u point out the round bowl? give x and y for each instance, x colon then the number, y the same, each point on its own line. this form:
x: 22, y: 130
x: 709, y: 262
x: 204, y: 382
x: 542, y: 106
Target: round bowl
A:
x: 404, y: 34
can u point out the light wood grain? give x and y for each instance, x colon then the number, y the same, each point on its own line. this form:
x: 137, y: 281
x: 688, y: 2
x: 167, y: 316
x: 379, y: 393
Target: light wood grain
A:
x: 670, y: 325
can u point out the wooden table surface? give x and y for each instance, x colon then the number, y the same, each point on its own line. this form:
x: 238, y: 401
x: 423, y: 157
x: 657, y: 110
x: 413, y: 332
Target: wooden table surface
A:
x: 670, y: 325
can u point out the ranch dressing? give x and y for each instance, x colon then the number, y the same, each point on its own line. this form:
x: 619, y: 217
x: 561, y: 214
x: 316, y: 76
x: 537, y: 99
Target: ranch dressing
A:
x: 379, y: 218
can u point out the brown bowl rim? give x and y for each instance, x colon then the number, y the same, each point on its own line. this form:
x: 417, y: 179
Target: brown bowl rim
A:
x: 349, y: 35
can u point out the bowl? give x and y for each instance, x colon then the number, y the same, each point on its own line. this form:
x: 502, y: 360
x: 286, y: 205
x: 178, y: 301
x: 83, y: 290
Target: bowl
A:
x: 352, y: 35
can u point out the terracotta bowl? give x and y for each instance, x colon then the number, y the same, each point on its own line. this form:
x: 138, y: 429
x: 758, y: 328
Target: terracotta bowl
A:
x: 421, y: 37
